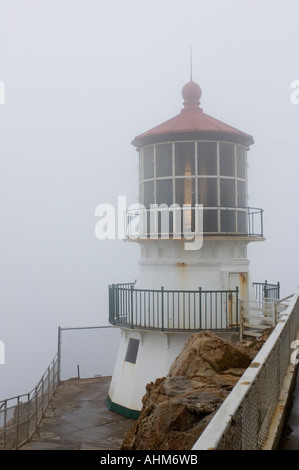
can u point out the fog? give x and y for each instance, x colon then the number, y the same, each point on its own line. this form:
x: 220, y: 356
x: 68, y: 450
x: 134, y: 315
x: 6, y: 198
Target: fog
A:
x: 82, y: 79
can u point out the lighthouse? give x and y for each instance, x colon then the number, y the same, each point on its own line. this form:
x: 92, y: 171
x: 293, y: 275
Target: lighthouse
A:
x: 194, y: 229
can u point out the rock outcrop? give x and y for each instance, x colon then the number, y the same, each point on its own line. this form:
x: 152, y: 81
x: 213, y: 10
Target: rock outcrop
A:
x: 177, y: 408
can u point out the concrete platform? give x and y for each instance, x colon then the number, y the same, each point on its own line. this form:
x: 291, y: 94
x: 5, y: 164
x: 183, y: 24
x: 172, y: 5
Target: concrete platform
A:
x: 78, y: 419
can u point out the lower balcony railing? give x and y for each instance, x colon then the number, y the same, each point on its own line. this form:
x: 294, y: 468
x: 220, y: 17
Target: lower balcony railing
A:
x: 173, y: 310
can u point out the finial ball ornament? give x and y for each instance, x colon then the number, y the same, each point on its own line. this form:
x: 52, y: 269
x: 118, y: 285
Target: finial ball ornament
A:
x: 191, y: 93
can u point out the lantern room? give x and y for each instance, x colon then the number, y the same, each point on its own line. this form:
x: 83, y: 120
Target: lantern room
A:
x: 195, y: 159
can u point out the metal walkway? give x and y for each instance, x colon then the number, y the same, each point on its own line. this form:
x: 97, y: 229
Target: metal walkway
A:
x: 78, y: 419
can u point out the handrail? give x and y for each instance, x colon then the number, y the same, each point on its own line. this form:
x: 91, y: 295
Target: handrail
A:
x: 31, y: 391
x: 19, y: 420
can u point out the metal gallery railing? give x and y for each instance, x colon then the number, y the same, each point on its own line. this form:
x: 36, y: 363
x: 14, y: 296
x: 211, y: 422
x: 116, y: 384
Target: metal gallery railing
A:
x: 173, y: 310
x: 162, y: 221
x: 20, y: 415
x: 266, y: 291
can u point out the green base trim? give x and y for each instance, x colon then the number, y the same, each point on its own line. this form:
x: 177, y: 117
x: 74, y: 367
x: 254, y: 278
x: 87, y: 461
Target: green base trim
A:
x: 122, y: 410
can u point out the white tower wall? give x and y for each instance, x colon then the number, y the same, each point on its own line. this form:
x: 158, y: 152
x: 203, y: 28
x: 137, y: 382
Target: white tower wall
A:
x: 156, y: 353
x: 217, y: 265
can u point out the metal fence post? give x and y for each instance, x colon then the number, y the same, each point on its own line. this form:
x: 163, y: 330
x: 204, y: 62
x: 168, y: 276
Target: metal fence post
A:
x: 48, y: 384
x: 53, y: 376
x: 28, y: 414
x: 112, y: 304
x: 59, y: 354
x: 115, y: 303
x: 18, y: 422
x: 275, y: 313
x: 241, y: 319
x: 265, y: 290
x: 162, y: 307
x: 199, y: 313
x: 5, y: 422
x: 237, y: 305
x: 131, y: 309
x: 36, y: 407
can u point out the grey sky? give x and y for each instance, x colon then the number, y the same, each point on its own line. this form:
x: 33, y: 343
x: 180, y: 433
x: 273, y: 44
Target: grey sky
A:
x: 82, y: 79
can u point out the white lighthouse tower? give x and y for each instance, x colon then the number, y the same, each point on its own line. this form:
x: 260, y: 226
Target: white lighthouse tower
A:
x: 184, y: 284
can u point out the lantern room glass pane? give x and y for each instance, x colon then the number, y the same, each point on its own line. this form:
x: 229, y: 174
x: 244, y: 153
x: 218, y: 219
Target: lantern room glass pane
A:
x: 148, y: 162
x: 185, y: 191
x: 241, y: 195
x: 164, y: 160
x: 207, y: 158
x: 227, y: 159
x: 210, y: 221
x: 241, y: 220
x: 207, y: 191
x: 141, y: 193
x: 184, y: 158
x: 148, y: 193
x: 140, y: 166
x: 227, y: 192
x: 241, y: 161
x: 164, y: 192
x: 228, y: 221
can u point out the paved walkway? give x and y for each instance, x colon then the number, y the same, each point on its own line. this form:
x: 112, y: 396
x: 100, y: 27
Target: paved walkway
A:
x: 78, y: 419
x: 290, y: 440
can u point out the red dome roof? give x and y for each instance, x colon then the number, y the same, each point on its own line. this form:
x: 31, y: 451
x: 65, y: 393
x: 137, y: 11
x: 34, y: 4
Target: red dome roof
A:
x: 192, y: 119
